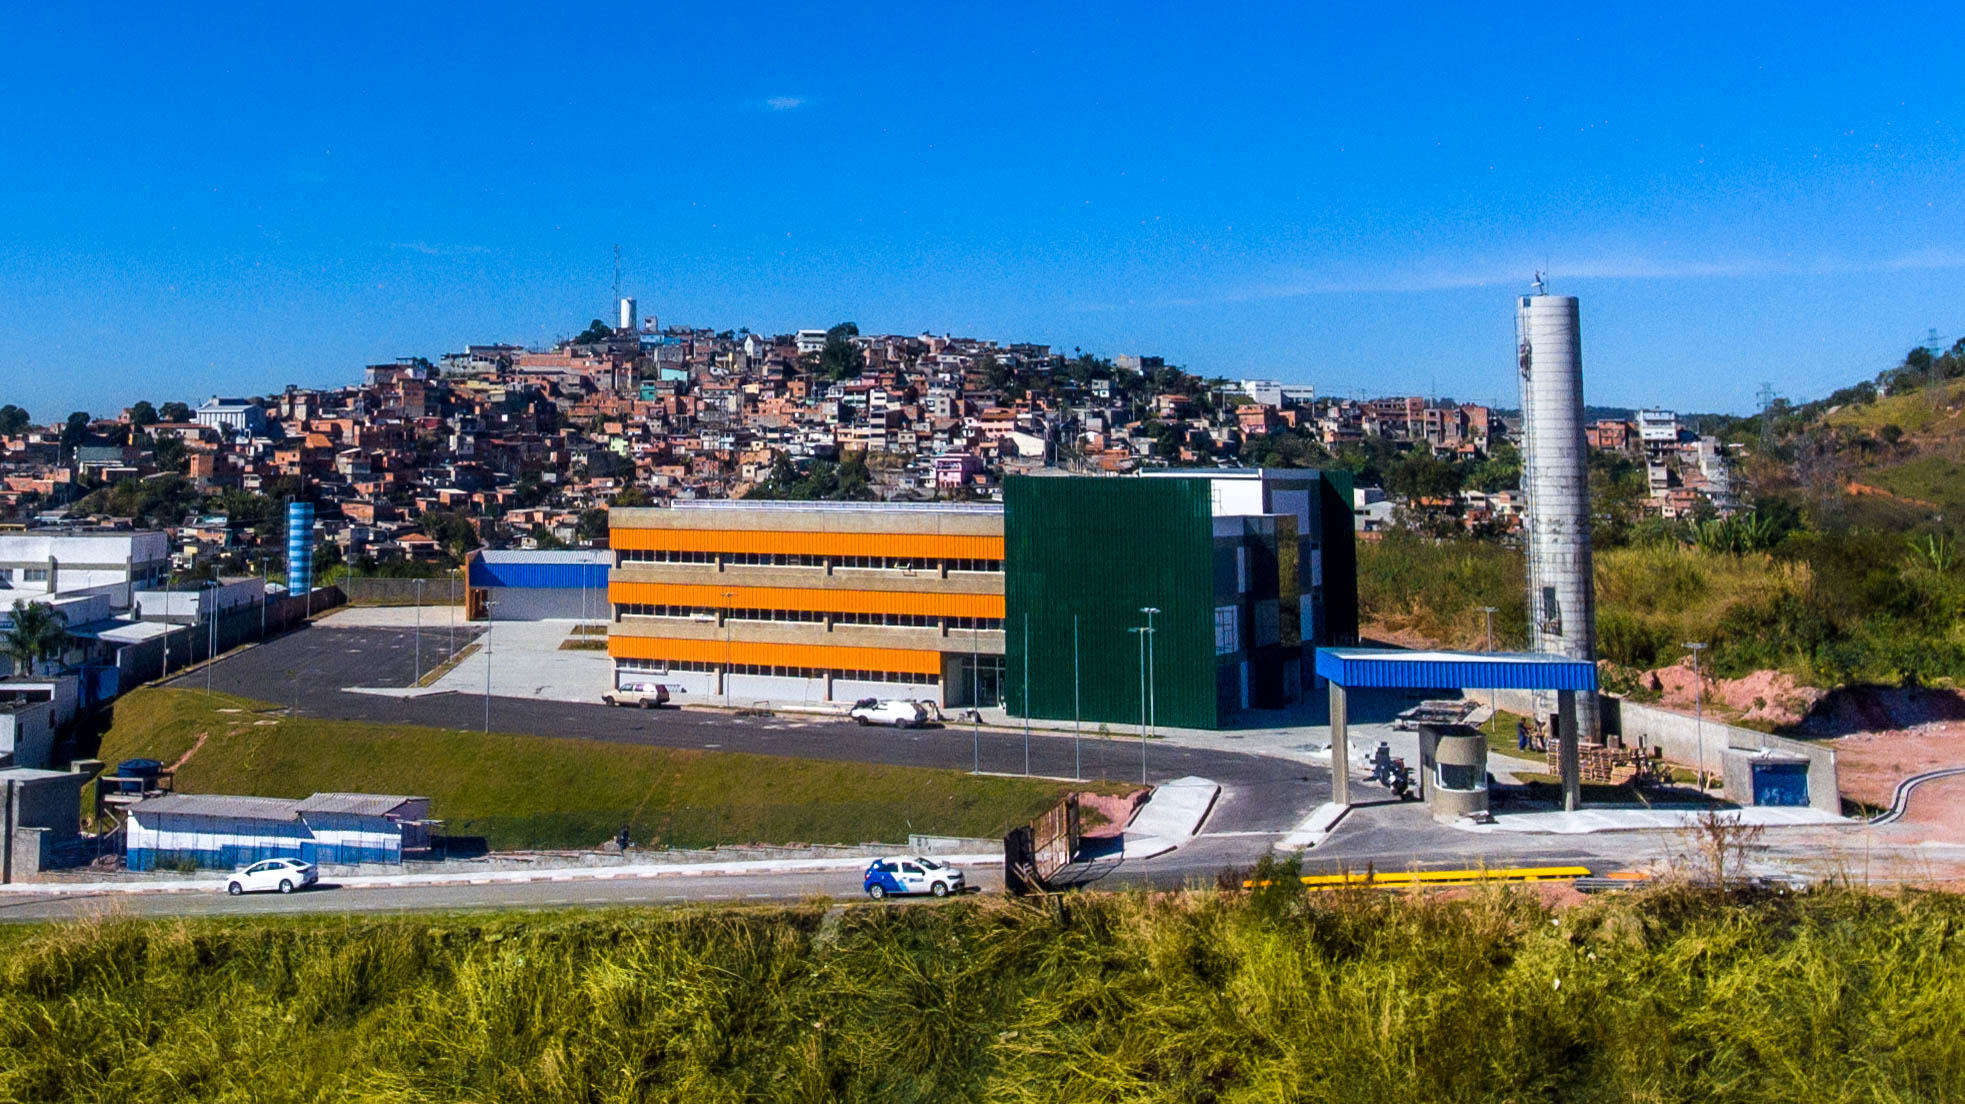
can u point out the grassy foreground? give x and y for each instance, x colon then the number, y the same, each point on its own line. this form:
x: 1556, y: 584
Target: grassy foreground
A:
x: 540, y: 792
x: 1191, y: 997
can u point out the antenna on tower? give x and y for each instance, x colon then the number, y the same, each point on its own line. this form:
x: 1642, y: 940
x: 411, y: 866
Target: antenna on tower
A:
x: 1539, y: 290
x: 1766, y: 397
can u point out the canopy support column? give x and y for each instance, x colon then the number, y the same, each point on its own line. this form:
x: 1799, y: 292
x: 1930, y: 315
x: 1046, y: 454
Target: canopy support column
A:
x: 1340, y: 747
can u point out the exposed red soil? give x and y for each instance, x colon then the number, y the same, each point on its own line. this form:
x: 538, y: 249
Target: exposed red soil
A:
x: 1116, y: 809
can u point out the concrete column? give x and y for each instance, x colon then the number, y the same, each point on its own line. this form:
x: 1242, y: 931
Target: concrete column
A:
x: 1572, y: 773
x: 1340, y: 747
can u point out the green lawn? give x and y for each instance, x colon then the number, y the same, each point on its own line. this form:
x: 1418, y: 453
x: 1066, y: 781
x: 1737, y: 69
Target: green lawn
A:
x: 539, y: 792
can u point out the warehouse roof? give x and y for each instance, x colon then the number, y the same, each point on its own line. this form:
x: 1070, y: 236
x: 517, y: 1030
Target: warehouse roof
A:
x: 219, y: 805
x: 359, y: 804
x: 1357, y: 668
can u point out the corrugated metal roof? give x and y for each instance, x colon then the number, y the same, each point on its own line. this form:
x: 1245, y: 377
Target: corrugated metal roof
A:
x: 220, y: 805
x: 546, y: 570
x: 1357, y: 668
x: 358, y: 804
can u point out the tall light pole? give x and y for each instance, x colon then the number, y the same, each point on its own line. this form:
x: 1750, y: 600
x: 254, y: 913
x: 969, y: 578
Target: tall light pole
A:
x: 1699, y: 710
x: 417, y: 676
x: 1152, y: 691
x: 1077, y: 705
x: 1487, y: 615
x: 489, y: 605
x: 1142, y: 702
x: 975, y: 693
x: 211, y: 641
x: 1026, y: 694
x: 727, y: 595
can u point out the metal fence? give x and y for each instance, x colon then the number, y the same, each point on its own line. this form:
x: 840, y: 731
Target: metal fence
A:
x: 365, y: 590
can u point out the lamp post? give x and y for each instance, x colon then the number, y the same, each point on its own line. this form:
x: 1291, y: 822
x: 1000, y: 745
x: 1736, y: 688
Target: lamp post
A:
x: 489, y: 605
x: 975, y: 694
x: 1077, y: 705
x: 1142, y: 702
x: 417, y: 675
x: 1487, y: 616
x: 725, y: 614
x: 1699, y: 710
x: 1152, y: 691
x: 1026, y: 694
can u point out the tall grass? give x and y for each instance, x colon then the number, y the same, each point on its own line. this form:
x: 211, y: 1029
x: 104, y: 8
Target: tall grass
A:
x: 1188, y: 997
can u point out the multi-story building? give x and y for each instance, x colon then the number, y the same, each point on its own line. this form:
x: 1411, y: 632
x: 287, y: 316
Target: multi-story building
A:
x: 810, y: 601
x: 42, y: 562
x: 1031, y: 601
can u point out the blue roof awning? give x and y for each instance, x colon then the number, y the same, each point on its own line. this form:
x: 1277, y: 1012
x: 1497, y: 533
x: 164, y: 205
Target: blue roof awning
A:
x: 1394, y: 668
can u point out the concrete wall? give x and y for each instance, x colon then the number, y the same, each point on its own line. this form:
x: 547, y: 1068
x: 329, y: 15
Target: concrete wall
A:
x: 748, y: 688
x: 27, y: 734
x: 1677, y: 737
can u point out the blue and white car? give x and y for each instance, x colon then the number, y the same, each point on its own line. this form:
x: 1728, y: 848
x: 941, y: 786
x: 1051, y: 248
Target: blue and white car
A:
x: 904, y: 874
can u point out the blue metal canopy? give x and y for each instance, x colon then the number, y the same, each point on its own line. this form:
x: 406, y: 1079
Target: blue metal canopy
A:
x: 1395, y: 668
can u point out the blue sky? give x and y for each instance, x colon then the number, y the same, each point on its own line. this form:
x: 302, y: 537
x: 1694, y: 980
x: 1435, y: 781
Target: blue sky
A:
x: 1343, y: 195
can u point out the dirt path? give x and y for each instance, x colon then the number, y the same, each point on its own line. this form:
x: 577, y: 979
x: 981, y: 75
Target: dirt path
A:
x: 186, y: 757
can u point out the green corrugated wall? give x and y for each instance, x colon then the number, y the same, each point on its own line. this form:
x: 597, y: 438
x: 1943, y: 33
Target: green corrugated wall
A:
x: 1098, y: 549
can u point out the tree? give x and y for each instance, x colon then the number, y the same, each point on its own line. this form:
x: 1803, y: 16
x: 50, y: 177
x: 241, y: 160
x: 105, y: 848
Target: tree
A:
x: 143, y: 414
x: 451, y: 530
x: 591, y: 527
x: 595, y: 333
x: 841, y: 359
x: 633, y: 496
x: 13, y: 419
x: 1421, y: 475
x: 175, y: 412
x: 37, y: 634
x: 76, y: 430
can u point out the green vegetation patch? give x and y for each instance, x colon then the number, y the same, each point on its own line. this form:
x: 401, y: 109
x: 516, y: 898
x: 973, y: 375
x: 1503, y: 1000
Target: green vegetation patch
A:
x: 522, y: 792
x: 1270, y: 996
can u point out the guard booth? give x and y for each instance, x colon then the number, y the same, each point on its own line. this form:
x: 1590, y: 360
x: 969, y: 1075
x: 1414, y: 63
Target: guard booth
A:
x: 1348, y: 669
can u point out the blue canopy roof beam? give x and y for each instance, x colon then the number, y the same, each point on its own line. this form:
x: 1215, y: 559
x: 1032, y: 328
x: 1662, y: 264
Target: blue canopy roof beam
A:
x: 1346, y: 669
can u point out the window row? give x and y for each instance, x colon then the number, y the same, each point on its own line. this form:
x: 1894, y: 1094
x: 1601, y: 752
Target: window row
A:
x: 886, y: 620
x: 776, y: 559
x: 661, y: 667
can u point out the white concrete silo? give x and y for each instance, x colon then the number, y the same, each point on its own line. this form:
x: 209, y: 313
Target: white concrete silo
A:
x: 627, y: 315
x: 1562, y: 606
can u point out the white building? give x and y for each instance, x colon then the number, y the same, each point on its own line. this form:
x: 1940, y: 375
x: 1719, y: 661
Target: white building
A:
x: 1272, y: 393
x: 41, y: 562
x: 239, y: 417
x: 1657, y: 430
x: 811, y: 342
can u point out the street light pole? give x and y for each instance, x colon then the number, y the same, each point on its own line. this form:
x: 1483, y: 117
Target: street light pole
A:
x: 1026, y: 694
x: 1487, y: 615
x: 727, y: 595
x: 975, y: 694
x: 417, y: 675
x: 488, y: 606
x: 1142, y: 703
x: 1077, y: 705
x: 1152, y: 691
x: 1699, y: 710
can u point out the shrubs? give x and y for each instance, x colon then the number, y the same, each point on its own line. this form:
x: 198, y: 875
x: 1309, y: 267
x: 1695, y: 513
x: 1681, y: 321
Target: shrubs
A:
x: 1681, y: 996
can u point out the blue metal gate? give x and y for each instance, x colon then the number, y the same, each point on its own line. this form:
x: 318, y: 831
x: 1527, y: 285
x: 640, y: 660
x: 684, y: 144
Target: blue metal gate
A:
x: 1780, y: 783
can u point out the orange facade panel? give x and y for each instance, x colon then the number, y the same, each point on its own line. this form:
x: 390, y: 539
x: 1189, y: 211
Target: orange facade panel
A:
x: 925, y: 546
x: 919, y: 604
x: 775, y: 655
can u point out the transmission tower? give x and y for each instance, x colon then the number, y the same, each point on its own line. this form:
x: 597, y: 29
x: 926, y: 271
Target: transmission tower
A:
x: 1767, y: 399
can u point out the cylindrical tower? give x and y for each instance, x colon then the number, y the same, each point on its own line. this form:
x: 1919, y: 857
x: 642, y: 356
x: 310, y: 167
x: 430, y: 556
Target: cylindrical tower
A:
x: 300, y: 548
x: 627, y: 320
x: 1562, y: 607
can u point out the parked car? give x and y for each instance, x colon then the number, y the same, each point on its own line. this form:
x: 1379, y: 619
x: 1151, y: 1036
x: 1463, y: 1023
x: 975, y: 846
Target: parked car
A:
x: 912, y: 874
x: 647, y: 695
x: 896, y: 712
x: 285, y: 875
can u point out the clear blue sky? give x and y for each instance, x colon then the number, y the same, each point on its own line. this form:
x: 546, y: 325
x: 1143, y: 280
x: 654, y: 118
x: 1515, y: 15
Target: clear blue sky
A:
x: 1347, y: 195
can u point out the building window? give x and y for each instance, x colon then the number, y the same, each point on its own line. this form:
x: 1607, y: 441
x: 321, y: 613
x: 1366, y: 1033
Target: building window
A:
x: 1241, y: 570
x: 34, y: 575
x: 1227, y: 630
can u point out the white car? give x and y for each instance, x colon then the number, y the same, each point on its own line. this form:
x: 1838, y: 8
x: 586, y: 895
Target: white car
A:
x: 647, y: 695
x: 895, y: 712
x: 912, y: 874
x: 285, y: 875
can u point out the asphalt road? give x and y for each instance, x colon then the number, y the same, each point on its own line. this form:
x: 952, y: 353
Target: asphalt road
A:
x: 307, y: 669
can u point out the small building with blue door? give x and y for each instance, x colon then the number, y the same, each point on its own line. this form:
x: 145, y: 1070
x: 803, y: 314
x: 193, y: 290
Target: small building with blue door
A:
x: 219, y: 832
x: 1766, y: 776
